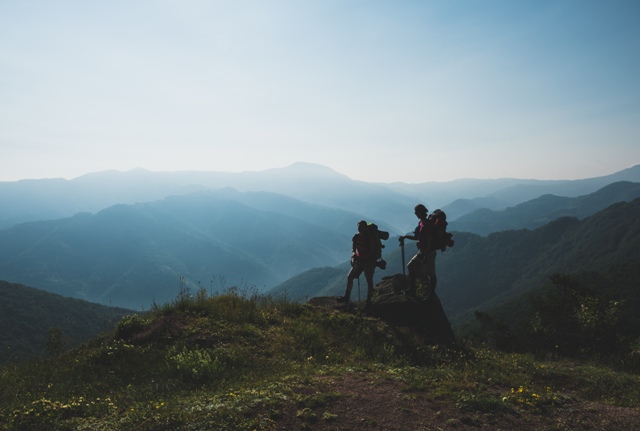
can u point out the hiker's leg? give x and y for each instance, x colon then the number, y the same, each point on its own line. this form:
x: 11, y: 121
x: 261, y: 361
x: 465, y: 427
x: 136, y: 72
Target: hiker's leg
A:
x: 347, y: 293
x: 430, y: 271
x: 354, y: 273
x: 414, y: 270
x: 368, y: 275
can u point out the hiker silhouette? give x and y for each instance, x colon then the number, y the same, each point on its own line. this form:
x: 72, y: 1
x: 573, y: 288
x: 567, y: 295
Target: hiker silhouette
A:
x: 364, y: 256
x: 423, y: 265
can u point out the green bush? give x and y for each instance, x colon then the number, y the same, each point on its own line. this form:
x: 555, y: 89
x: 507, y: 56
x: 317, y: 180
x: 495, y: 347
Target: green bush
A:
x: 129, y: 326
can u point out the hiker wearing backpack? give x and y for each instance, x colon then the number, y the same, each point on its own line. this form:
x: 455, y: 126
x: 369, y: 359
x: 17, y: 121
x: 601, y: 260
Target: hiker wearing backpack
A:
x: 364, y: 258
x: 423, y: 265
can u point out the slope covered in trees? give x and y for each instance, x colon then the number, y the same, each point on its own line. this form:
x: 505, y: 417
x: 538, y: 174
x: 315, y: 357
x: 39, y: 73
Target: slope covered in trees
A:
x: 34, y: 322
x: 481, y: 272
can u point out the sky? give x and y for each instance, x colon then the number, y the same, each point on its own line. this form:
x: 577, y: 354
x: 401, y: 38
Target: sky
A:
x: 381, y: 91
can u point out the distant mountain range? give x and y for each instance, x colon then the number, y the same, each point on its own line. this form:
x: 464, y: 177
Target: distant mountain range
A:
x: 46, y: 199
x: 540, y: 211
x: 127, y: 239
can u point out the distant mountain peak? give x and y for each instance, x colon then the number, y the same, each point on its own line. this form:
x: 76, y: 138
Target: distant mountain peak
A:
x: 306, y: 169
x: 114, y: 173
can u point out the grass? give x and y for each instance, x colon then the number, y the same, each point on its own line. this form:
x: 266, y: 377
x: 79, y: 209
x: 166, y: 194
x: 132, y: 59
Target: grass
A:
x: 238, y: 361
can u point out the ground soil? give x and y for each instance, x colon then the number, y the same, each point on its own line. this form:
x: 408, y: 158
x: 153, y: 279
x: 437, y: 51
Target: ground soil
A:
x: 369, y: 402
x: 372, y: 403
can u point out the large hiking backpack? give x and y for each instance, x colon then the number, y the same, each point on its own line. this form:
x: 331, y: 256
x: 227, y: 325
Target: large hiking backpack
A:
x: 441, y: 238
x: 379, y: 236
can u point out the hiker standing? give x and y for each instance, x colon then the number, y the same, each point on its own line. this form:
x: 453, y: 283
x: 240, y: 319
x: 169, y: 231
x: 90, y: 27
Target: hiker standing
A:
x: 363, y: 259
x: 423, y: 265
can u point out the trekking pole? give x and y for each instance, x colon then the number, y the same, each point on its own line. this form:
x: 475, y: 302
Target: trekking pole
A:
x: 404, y: 276
x: 402, y: 252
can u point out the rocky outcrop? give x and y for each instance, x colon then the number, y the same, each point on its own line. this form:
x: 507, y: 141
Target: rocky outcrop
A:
x: 425, y: 316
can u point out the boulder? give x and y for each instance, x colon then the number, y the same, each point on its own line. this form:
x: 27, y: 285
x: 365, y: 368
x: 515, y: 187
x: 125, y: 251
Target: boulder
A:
x: 425, y: 316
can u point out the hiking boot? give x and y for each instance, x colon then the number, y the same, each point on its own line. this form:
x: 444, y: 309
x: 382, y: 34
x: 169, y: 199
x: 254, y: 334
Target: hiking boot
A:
x: 409, y: 292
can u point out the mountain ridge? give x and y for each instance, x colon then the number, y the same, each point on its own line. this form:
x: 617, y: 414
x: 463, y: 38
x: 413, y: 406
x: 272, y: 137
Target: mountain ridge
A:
x: 32, y: 200
x: 544, y: 209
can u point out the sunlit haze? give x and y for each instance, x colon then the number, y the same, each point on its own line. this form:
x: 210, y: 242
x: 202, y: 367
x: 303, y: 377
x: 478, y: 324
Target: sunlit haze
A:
x: 385, y: 91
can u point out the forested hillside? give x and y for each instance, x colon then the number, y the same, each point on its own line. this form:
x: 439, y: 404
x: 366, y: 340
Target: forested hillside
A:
x: 34, y: 323
x: 480, y: 272
x: 312, y: 283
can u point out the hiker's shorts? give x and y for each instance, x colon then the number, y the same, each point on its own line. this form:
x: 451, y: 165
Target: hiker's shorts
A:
x: 423, y: 266
x: 368, y: 267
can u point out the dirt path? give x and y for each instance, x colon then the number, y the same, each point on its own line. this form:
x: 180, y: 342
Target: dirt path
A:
x: 368, y: 402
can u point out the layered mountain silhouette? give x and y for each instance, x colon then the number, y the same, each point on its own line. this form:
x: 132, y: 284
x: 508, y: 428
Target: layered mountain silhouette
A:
x: 33, y: 200
x: 132, y: 255
x: 135, y: 236
x: 540, y: 211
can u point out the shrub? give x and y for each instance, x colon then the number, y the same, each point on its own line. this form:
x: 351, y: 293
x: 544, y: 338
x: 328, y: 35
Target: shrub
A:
x: 129, y: 326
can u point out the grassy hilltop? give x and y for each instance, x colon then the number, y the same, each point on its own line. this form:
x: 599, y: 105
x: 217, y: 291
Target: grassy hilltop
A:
x: 248, y: 362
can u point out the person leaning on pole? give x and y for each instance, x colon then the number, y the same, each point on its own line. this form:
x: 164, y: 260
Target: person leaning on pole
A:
x: 423, y: 265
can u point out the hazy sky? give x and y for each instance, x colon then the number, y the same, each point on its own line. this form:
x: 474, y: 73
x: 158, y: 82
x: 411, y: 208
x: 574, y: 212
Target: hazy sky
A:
x: 385, y: 91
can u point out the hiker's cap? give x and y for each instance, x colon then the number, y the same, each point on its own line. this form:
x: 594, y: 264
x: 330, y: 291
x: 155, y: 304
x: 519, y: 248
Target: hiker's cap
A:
x: 421, y: 209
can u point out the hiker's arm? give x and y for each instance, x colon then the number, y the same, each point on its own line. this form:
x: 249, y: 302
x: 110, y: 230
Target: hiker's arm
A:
x: 413, y: 237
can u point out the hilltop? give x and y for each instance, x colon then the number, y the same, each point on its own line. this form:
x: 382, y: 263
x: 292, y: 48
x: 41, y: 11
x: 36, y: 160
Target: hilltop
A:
x: 247, y: 362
